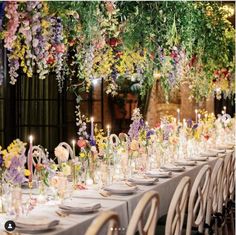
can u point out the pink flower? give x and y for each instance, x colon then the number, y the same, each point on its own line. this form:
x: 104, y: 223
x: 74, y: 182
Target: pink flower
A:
x: 60, y: 48
x: 81, y: 143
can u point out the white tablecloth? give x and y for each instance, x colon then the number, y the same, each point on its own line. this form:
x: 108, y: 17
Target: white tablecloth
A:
x: 123, y: 205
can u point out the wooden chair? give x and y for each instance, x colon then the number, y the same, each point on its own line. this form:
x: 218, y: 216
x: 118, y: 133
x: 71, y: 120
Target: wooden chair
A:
x: 108, y: 218
x: 231, y: 193
x: 198, y: 200
x: 176, y: 213
x: 214, y: 196
x: 150, y: 198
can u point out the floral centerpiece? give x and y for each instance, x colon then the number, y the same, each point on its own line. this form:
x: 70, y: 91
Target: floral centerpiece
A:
x: 13, y: 163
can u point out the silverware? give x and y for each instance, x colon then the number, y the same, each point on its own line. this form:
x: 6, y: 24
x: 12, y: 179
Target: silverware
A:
x: 104, y: 193
x: 62, y: 213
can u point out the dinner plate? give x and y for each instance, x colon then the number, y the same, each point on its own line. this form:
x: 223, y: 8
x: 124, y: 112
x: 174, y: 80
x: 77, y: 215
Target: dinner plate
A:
x: 211, y: 153
x: 120, y: 189
x: 35, y: 224
x: 156, y: 173
x: 171, y: 167
x: 78, y: 207
x: 185, y: 163
x: 203, y: 159
x: 141, y: 180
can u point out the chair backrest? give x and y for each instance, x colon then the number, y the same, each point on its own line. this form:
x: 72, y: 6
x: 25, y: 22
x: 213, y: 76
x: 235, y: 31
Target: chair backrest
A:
x: 68, y: 147
x: 38, y: 154
x: 232, y: 178
x: 150, y: 198
x: 215, y: 193
x: 107, y: 218
x: 198, y: 200
x: 226, y: 179
x: 175, y: 215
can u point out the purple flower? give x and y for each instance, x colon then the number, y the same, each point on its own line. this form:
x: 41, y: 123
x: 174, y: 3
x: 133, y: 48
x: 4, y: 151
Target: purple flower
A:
x: 1, y: 160
x: 189, y: 122
x: 92, y: 142
x: 149, y: 133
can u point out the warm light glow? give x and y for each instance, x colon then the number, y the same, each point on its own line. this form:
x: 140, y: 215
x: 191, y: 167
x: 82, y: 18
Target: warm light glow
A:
x: 196, y: 110
x: 73, y: 142
x: 95, y: 82
x: 108, y: 127
x: 223, y: 112
x: 146, y: 123
x: 92, y: 119
x: 178, y: 110
x: 199, y: 115
x: 31, y: 139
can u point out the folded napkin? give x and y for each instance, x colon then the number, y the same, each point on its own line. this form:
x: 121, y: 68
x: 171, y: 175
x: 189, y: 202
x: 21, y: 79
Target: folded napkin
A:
x: 159, y: 173
x: 172, y: 167
x: 121, y: 188
x: 210, y: 153
x: 199, y: 158
x: 71, y: 206
x: 36, y: 223
x: 140, y: 179
x: 185, y: 163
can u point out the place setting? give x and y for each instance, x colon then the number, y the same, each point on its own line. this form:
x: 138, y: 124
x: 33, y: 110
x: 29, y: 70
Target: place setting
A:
x: 36, y: 224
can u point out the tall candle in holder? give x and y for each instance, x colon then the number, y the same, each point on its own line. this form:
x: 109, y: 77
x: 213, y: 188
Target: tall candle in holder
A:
x: 108, y: 130
x: 178, y: 116
x: 196, y: 111
x: 73, y: 147
x: 224, y: 108
x: 198, y: 117
x: 92, y: 128
x: 30, y: 159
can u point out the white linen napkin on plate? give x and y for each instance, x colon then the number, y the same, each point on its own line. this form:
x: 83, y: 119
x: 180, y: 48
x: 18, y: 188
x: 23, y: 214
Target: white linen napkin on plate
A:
x: 78, y: 207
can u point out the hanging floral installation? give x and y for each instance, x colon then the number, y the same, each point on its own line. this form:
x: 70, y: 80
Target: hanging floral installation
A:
x: 125, y: 43
x: 1, y: 48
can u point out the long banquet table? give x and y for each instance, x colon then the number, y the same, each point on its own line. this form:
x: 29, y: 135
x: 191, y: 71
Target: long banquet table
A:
x: 75, y: 224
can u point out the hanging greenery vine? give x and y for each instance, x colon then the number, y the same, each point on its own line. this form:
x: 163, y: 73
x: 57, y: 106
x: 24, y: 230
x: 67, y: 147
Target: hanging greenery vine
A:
x: 123, y: 42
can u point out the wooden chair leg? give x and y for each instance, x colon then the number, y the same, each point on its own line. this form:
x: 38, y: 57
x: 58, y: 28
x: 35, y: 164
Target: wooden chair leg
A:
x: 225, y: 229
x: 232, y: 222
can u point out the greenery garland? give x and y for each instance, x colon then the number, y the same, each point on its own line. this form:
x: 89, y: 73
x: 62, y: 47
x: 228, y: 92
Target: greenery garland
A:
x: 126, y: 43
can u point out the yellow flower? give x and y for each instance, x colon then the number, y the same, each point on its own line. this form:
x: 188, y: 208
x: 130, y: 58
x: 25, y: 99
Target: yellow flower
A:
x: 82, y: 155
x: 26, y: 172
x: 45, y: 24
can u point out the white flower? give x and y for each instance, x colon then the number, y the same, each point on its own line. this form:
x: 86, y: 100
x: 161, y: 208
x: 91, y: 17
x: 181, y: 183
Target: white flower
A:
x: 61, y: 153
x: 93, y: 149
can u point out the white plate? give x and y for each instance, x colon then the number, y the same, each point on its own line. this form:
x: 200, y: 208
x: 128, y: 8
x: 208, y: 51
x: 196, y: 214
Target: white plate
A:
x: 185, y: 163
x: 171, y: 167
x: 121, y: 189
x: 35, y: 224
x: 78, y: 207
x: 142, y: 181
x: 159, y: 174
x: 211, y: 153
x: 199, y: 159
